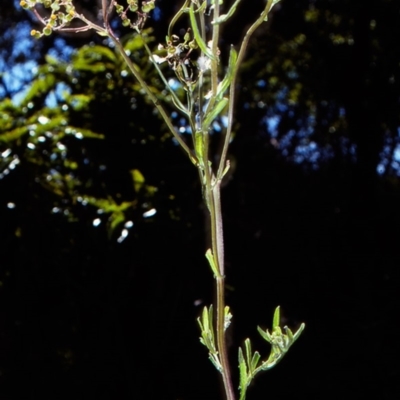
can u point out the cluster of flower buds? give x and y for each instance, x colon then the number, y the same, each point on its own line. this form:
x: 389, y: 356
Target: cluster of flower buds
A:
x: 62, y: 12
x: 133, y: 6
x: 177, y: 56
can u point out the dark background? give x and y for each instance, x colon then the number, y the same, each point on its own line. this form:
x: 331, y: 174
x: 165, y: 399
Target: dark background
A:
x: 311, y: 214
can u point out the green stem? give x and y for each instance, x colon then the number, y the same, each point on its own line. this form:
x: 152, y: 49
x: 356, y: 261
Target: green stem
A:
x: 214, y: 193
x: 242, y: 52
x: 150, y: 94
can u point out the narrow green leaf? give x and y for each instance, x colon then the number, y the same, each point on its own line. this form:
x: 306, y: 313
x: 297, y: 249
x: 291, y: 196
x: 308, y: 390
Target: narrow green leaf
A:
x: 254, y: 361
x: 211, y: 323
x: 247, y: 345
x: 243, y: 375
x: 265, y: 335
x: 197, y: 34
x: 299, y: 331
x: 277, y: 318
x: 289, y: 334
x: 206, y: 324
x: 200, y: 325
x: 210, y: 258
x: 211, y: 115
x: 214, y: 359
x: 225, y: 83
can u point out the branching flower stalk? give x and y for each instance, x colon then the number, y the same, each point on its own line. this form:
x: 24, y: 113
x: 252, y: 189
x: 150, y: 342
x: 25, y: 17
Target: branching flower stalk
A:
x: 195, y: 61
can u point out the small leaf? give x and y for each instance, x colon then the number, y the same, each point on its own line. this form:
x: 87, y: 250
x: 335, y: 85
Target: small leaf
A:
x: 205, y: 320
x: 266, y: 335
x: 277, y: 318
x: 289, y: 333
x: 247, y: 345
x: 254, y: 361
x: 210, y: 258
x: 243, y: 373
x: 214, y: 359
x: 299, y: 331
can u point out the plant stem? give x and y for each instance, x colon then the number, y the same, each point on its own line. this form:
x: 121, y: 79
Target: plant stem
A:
x: 150, y: 94
x: 239, y: 60
x: 218, y: 251
x: 213, y: 193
